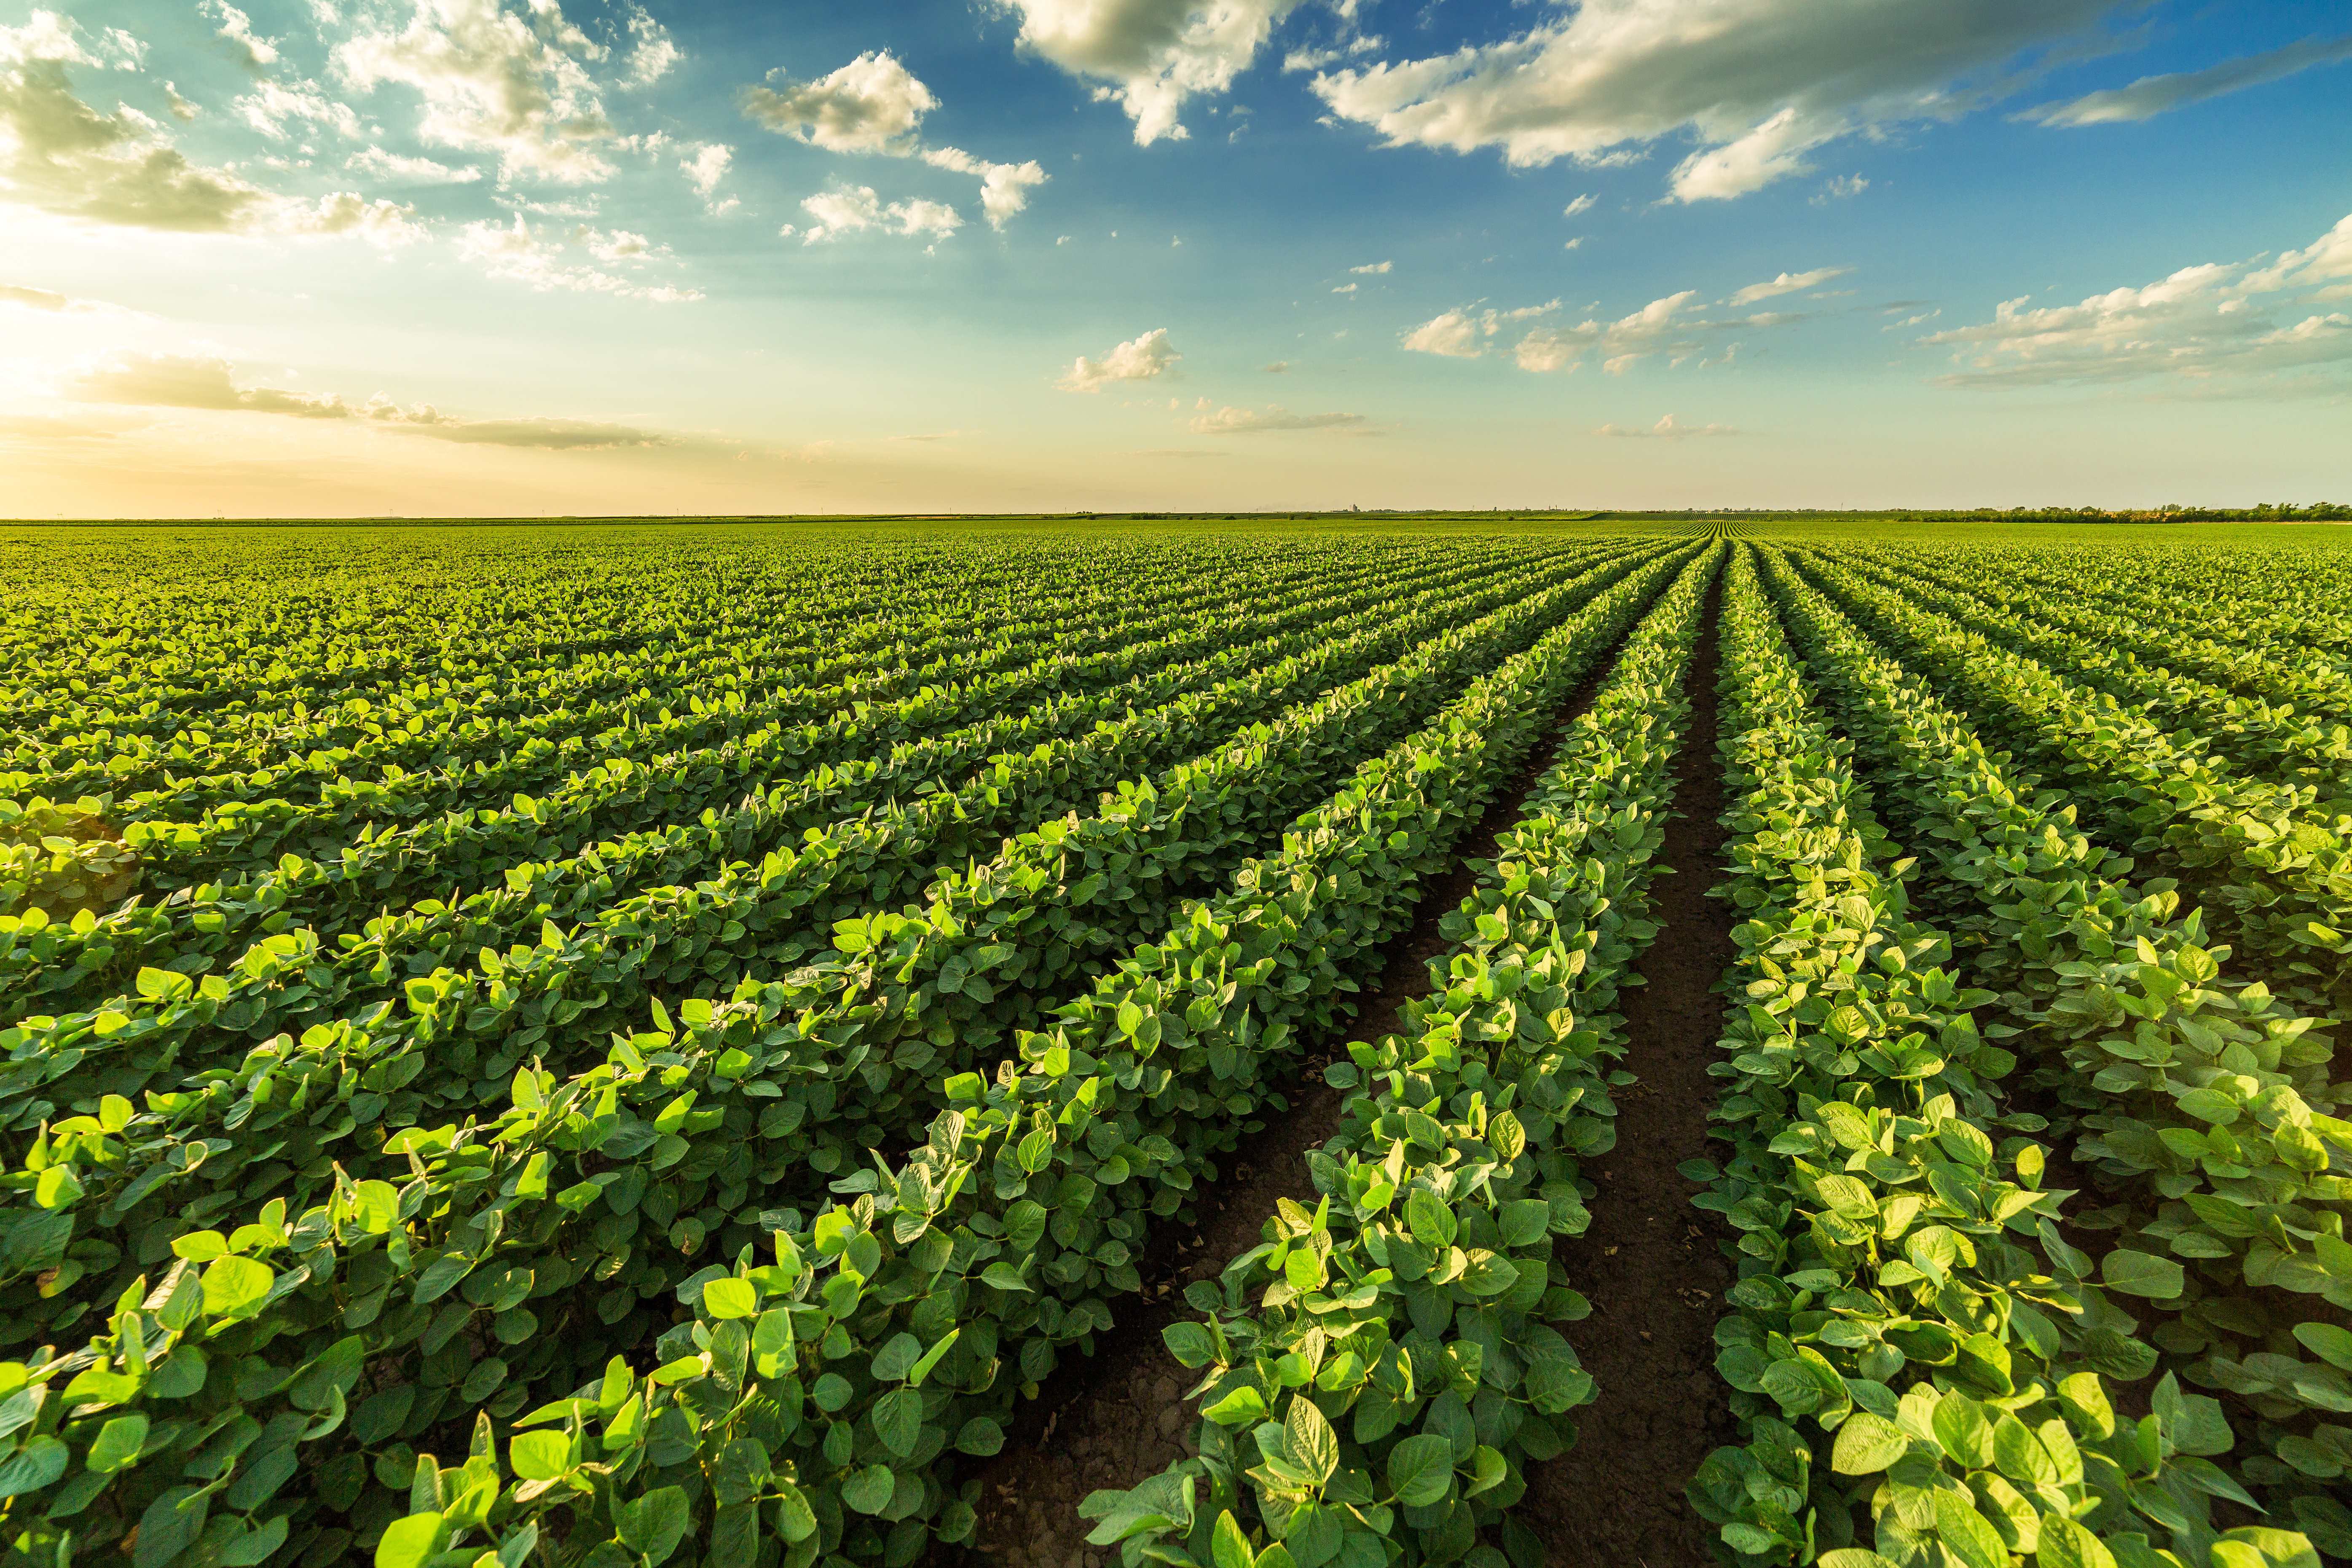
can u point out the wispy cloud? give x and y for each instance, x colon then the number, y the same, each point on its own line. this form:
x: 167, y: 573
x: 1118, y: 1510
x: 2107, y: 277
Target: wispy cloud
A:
x: 2152, y: 95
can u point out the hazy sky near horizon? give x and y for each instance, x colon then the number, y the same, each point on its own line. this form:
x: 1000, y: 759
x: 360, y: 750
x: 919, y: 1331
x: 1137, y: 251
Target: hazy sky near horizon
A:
x: 503, y: 257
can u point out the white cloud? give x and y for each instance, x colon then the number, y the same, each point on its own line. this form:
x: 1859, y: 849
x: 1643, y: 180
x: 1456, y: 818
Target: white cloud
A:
x: 1149, y: 55
x: 1581, y: 204
x: 1459, y: 334
x: 60, y: 154
x: 1346, y: 289
x: 1453, y: 334
x: 2223, y: 321
x: 1003, y: 187
x: 653, y: 54
x: 269, y: 110
x: 1788, y: 283
x: 1760, y: 83
x: 533, y: 257
x: 1377, y: 266
x: 202, y: 382
x: 33, y: 299
x: 1662, y: 326
x: 1278, y: 367
x: 707, y: 167
x: 846, y: 211
x: 381, y: 223
x: 1139, y: 359
x: 1668, y: 430
x: 490, y: 81
x: 2152, y: 95
x: 253, y: 53
x: 182, y: 109
x: 1250, y: 422
x: 1572, y: 244
x: 873, y: 104
x: 406, y: 171
x: 1839, y: 188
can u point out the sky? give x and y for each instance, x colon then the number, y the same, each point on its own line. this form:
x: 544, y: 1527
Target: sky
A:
x: 498, y: 257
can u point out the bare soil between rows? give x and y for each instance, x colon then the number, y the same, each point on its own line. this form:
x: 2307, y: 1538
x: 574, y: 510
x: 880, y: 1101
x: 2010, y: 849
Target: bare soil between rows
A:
x: 1650, y: 1263
x: 1118, y: 1418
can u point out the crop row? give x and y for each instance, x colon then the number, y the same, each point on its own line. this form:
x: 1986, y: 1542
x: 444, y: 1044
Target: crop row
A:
x: 811, y: 1397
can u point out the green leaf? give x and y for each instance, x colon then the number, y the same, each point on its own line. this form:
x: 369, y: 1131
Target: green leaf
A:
x: 1228, y: 1546
x: 254, y: 1546
x: 898, y: 1420
x: 409, y: 1542
x: 540, y: 1456
x: 2065, y: 1543
x: 2141, y: 1274
x: 1867, y: 1444
x: 1967, y: 1534
x: 655, y: 1523
x: 922, y: 1368
x: 118, y: 1444
x: 236, y: 1287
x: 36, y: 1464
x: 1432, y: 1222
x: 1421, y: 1469
x: 1314, y: 1447
x: 730, y: 1297
x: 980, y: 1436
x: 896, y: 1358
x: 1244, y: 1406
x: 2326, y: 1341
x: 869, y: 1491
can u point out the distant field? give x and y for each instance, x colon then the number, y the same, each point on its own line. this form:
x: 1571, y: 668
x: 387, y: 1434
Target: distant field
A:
x: 1481, y: 1038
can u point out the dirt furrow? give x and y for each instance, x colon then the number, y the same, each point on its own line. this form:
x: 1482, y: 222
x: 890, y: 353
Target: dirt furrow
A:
x: 1650, y: 1263
x: 1120, y: 1417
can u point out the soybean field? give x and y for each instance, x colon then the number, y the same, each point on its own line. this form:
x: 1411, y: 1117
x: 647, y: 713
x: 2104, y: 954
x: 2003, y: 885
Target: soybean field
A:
x: 1203, y: 1043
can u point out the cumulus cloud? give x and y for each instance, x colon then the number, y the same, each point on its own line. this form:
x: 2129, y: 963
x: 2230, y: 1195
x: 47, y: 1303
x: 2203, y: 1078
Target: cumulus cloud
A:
x: 253, y: 53
x: 47, y: 36
x: 203, y: 382
x: 58, y: 154
x: 706, y: 169
x: 271, y: 109
x: 1667, y: 429
x: 403, y: 170
x: 1137, y: 359
x: 537, y: 257
x: 1149, y: 55
x: 1003, y: 187
x: 653, y: 54
x: 381, y: 223
x: 1788, y: 283
x: 1377, y: 267
x: 1662, y: 326
x: 848, y: 211
x: 1251, y: 422
x: 2240, y: 321
x: 1759, y: 83
x: 489, y: 81
x: 875, y: 104
x: 2152, y: 95
x: 1462, y: 333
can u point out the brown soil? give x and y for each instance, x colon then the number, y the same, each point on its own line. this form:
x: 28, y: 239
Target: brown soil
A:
x: 1120, y: 1417
x: 1650, y: 1263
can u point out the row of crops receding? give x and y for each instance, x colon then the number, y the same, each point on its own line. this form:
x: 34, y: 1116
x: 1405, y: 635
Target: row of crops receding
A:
x: 659, y: 1050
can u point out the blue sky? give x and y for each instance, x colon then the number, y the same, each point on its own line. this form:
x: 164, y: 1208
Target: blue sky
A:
x: 373, y: 256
